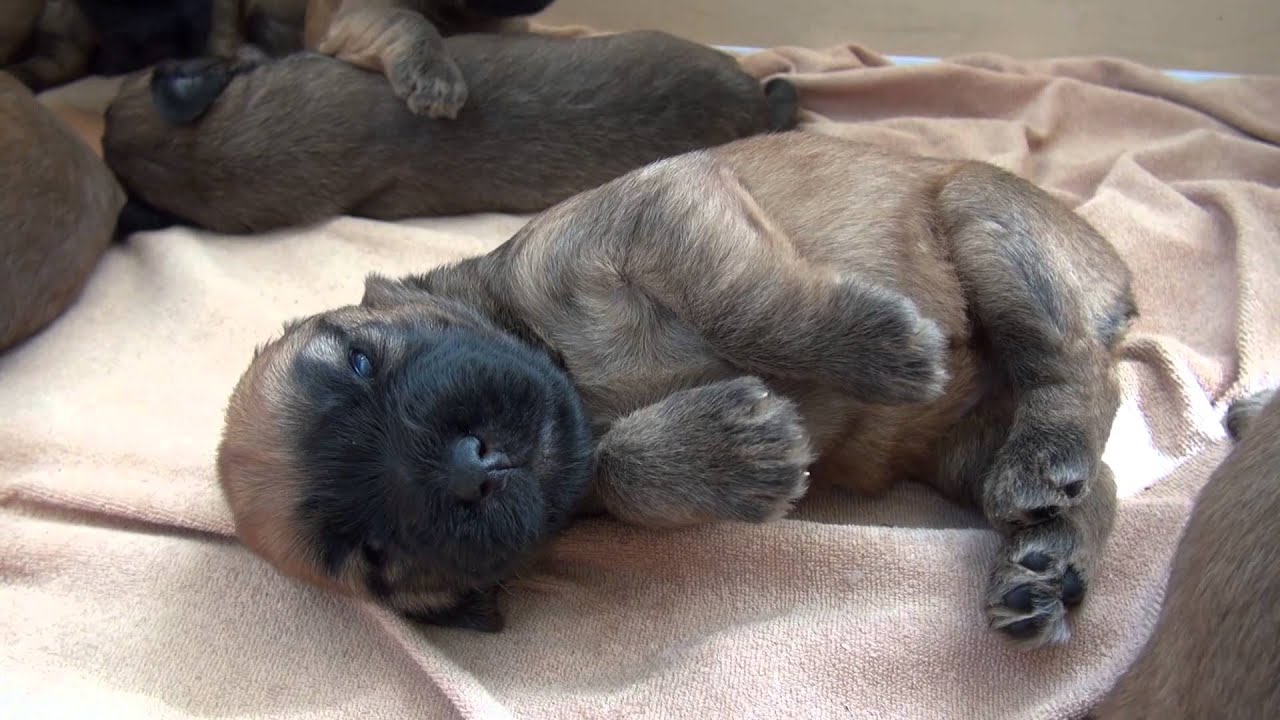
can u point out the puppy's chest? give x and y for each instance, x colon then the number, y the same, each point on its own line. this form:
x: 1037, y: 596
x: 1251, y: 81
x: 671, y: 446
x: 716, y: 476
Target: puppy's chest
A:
x: 625, y: 352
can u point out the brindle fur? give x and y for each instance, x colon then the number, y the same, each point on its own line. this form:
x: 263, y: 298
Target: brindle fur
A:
x: 728, y: 316
x: 1215, y: 649
x: 256, y: 144
x: 57, y: 213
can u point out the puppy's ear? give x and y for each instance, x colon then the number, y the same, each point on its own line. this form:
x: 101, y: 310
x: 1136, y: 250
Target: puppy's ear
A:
x: 506, y: 8
x: 478, y: 610
x: 184, y: 90
x: 381, y: 291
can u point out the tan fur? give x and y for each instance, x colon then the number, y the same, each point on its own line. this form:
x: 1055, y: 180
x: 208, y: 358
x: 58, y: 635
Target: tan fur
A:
x: 58, y: 206
x: 909, y: 318
x: 1215, y: 650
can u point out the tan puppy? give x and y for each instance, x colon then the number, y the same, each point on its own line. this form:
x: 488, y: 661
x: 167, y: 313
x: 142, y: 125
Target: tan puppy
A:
x: 58, y: 205
x: 680, y: 346
x: 1215, y: 650
x: 254, y: 145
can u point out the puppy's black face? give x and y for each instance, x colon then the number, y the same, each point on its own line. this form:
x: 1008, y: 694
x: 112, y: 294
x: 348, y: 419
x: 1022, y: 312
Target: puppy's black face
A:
x: 437, y: 455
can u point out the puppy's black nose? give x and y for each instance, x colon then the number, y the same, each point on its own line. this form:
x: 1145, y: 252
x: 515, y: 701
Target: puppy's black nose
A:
x: 472, y: 469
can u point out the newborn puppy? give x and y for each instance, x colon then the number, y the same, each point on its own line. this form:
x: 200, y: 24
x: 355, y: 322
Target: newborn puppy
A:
x: 402, y: 39
x: 58, y: 205
x: 253, y: 145
x: 1215, y: 650
x: 685, y: 345
x: 45, y: 43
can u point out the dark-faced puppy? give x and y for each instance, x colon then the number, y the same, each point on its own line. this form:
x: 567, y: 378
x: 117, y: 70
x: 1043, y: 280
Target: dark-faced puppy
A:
x: 1215, y: 650
x: 248, y: 146
x: 58, y: 205
x: 731, y: 320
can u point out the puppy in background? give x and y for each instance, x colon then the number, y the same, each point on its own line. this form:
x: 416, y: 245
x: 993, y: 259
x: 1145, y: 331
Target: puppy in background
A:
x: 58, y: 206
x: 46, y: 43
x: 1215, y: 650
x: 688, y: 344
x: 402, y: 39
x: 258, y: 144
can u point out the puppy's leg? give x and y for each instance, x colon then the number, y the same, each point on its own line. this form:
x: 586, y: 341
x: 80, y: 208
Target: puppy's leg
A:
x: 717, y: 261
x: 729, y: 450
x: 226, y: 34
x: 392, y: 37
x: 63, y: 43
x: 1051, y: 299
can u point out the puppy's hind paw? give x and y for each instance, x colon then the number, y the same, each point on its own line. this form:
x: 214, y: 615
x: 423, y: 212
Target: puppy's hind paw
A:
x: 436, y: 89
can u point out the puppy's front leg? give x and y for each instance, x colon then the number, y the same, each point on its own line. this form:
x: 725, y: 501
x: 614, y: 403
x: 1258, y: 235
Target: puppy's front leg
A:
x: 730, y: 450
x: 393, y: 38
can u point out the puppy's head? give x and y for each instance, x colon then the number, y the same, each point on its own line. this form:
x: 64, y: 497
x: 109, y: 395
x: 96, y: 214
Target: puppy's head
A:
x: 405, y: 451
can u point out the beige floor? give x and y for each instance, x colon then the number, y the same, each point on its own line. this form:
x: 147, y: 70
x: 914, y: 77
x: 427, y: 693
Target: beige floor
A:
x: 1227, y: 35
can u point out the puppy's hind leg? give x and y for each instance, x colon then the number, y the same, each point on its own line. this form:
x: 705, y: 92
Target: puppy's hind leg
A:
x: 392, y: 37
x: 1050, y: 299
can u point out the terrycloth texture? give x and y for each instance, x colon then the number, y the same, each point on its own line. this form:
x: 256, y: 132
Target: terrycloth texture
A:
x: 123, y: 595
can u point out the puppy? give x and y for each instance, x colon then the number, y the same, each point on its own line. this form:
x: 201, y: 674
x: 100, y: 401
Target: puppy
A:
x: 45, y: 43
x: 255, y: 144
x: 687, y: 344
x: 1215, y: 650
x: 58, y: 206
x: 402, y: 39
x: 75, y: 38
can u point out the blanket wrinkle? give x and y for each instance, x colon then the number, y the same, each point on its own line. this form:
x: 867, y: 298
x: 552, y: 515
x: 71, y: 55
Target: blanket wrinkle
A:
x: 123, y: 595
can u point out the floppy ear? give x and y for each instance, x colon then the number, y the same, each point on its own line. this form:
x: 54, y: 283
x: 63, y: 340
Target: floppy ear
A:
x: 381, y: 291
x: 183, y: 91
x: 478, y: 610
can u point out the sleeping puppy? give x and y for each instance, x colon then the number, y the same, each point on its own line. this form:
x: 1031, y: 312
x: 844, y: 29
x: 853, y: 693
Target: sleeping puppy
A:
x: 58, y: 205
x: 687, y: 344
x: 403, y: 39
x: 1215, y: 650
x: 45, y: 43
x: 253, y: 145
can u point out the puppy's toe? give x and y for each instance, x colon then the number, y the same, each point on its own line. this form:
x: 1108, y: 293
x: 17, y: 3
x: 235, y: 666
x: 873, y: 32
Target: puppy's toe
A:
x: 1039, y: 474
x: 772, y: 452
x: 1034, y: 585
x: 436, y: 90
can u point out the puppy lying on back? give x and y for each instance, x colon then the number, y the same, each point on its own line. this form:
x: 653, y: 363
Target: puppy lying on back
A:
x: 249, y: 146
x: 685, y: 345
x: 58, y: 205
x: 1215, y: 650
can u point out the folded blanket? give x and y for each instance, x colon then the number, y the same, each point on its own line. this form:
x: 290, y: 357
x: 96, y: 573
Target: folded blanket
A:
x: 124, y: 595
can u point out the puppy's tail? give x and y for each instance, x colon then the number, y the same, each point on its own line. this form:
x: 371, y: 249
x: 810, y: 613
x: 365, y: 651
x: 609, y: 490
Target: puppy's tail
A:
x: 783, y: 101
x: 184, y: 90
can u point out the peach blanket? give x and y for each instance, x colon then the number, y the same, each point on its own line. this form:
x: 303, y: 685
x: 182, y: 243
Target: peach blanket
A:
x: 123, y: 594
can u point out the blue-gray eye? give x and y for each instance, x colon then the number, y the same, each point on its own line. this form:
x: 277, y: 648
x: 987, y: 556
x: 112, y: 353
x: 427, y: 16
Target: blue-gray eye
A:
x: 361, y: 364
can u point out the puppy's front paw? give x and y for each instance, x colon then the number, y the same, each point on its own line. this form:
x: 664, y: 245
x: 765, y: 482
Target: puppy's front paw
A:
x: 730, y: 450
x: 433, y: 87
x: 1037, y: 580
x: 894, y: 354
x: 763, y: 447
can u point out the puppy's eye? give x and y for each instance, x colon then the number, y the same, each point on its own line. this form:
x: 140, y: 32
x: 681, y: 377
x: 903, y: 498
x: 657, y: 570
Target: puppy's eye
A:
x: 361, y: 364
